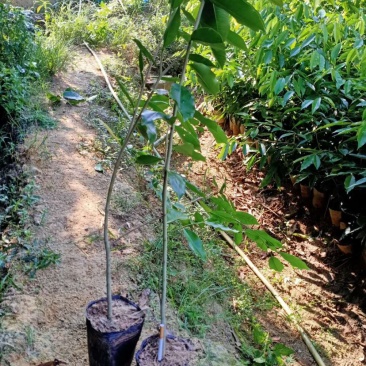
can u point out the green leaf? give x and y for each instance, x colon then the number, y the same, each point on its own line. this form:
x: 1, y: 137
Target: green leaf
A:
x: 238, y: 237
x: 223, y: 203
x: 351, y: 183
x: 198, y: 219
x: 277, y: 2
x: 280, y: 84
x: 223, y: 216
x: 287, y: 96
x: 200, y: 59
x: 294, y: 261
x: 308, y: 40
x: 243, y: 12
x: 309, y: 160
x: 195, y: 243
x: 235, y: 40
x: 178, y: 183
x: 361, y: 135
x: 263, y: 240
x: 144, y: 50
x: 172, y: 28
x: 194, y: 189
x: 206, y: 78
x: 220, y: 55
x: 315, y: 105
x: 147, y: 124
x: 187, y: 149
x: 54, y: 99
x: 111, y: 132
x: 216, y: 18
x: 72, y: 96
x: 306, y: 103
x: 125, y: 92
x: 276, y: 264
x: 281, y: 350
x: 312, y: 159
x: 295, y: 51
x: 208, y: 37
x: 335, y: 51
x: 175, y: 215
x: 184, y: 99
x: 268, y: 57
x: 245, y: 218
x: 219, y: 226
x: 217, y: 132
x: 175, y: 3
x: 189, y: 16
x: 147, y: 159
x: 187, y: 136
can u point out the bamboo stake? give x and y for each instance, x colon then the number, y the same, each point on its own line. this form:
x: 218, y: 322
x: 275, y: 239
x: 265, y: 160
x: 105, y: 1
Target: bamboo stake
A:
x: 124, y: 110
x: 277, y: 296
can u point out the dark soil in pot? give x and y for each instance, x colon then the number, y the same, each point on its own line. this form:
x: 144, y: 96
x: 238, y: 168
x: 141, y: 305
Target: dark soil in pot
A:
x: 178, y: 352
x: 112, y: 342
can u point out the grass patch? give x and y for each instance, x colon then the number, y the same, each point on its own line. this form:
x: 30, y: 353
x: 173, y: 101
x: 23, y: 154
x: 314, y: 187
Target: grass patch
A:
x: 209, y: 297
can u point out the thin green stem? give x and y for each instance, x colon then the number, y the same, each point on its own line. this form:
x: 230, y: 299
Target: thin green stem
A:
x: 133, y: 123
x: 165, y: 184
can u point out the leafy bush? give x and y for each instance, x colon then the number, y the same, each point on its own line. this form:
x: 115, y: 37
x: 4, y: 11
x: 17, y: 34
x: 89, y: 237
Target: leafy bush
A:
x: 299, y: 91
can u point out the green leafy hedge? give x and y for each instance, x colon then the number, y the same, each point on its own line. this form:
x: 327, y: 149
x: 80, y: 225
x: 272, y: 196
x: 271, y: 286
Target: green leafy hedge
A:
x: 300, y: 91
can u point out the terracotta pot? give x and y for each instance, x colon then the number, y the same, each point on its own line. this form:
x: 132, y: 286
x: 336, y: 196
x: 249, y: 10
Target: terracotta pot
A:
x: 342, y: 225
x: 293, y: 179
x: 221, y: 121
x: 318, y: 199
x: 231, y: 124
x: 336, y: 217
x: 346, y: 249
x: 236, y: 128
x: 305, y: 191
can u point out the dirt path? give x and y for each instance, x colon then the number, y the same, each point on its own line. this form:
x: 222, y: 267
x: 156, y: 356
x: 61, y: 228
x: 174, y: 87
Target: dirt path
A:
x: 46, y: 318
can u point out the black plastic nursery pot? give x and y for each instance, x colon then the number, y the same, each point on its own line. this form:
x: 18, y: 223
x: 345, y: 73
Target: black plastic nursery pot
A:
x: 113, y: 348
x: 152, y: 343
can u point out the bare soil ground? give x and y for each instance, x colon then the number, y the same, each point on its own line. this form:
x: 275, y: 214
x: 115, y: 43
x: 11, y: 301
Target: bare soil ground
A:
x: 46, y: 316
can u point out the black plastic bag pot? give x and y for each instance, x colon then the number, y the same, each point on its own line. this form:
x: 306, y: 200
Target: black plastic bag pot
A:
x: 113, y: 348
x: 187, y: 348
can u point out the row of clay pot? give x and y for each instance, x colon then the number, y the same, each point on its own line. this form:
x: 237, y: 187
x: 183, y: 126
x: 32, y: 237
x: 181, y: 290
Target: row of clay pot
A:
x: 236, y: 127
x: 319, y: 201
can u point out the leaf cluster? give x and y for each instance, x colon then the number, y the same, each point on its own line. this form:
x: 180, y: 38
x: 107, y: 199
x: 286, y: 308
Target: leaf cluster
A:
x: 299, y: 92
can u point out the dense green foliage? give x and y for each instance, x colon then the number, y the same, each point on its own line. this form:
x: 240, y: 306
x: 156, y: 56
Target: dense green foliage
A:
x: 16, y: 65
x: 23, y: 69
x: 299, y: 91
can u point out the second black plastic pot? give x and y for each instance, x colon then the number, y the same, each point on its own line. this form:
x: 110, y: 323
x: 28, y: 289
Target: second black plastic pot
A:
x: 113, y: 348
x: 154, y: 339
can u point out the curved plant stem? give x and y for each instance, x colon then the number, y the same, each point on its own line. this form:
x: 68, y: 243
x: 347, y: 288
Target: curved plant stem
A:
x: 133, y: 123
x: 165, y: 186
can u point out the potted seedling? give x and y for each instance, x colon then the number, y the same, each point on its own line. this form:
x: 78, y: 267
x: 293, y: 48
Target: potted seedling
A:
x: 210, y: 27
